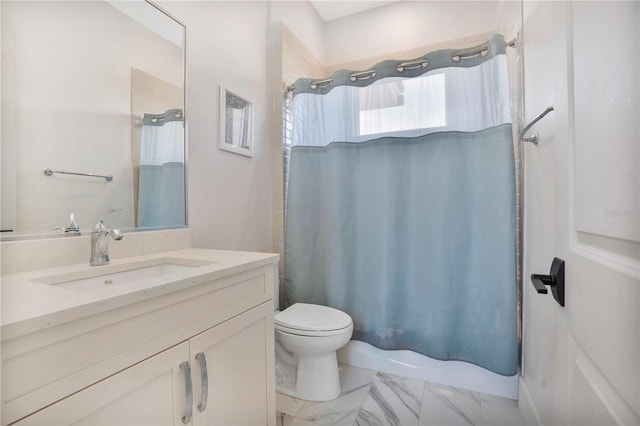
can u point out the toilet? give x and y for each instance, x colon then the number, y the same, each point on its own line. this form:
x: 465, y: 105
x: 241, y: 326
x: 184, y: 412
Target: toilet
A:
x: 307, y: 338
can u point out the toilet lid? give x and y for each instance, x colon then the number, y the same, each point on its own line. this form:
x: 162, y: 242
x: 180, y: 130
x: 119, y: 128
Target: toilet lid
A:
x: 304, y: 316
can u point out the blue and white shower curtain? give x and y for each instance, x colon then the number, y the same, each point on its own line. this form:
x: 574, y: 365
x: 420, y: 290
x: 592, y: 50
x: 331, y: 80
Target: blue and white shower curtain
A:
x: 161, y: 192
x: 400, y: 204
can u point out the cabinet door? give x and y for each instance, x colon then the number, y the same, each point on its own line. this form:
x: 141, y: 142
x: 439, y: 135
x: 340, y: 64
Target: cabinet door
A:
x: 239, y: 358
x: 149, y: 393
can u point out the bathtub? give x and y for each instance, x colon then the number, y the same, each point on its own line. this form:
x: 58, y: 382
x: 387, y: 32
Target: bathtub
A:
x: 411, y: 364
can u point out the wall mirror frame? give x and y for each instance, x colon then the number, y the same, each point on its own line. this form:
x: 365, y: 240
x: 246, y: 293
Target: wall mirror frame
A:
x: 93, y: 88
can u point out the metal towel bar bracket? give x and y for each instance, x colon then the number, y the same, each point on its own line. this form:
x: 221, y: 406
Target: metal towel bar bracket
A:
x: 534, y: 138
x: 49, y: 172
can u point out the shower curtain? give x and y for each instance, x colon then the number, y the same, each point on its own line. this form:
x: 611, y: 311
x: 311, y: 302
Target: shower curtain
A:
x: 400, y: 204
x: 161, y: 196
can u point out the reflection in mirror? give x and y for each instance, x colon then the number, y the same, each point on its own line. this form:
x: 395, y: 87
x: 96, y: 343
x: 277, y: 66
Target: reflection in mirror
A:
x: 91, y: 88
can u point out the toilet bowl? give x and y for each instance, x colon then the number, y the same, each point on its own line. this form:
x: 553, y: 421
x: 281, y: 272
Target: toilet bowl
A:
x: 313, y: 334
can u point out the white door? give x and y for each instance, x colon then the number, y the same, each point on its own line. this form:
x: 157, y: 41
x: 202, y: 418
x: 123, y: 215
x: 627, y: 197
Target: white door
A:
x: 239, y: 357
x: 152, y: 392
x: 582, y: 362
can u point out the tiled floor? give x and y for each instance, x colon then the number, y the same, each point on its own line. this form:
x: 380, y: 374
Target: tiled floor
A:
x: 372, y: 398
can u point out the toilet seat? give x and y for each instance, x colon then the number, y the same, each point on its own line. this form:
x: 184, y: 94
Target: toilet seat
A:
x: 309, y: 333
x: 305, y: 319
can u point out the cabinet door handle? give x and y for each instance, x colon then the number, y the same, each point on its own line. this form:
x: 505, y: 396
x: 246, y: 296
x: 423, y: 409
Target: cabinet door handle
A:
x: 187, y: 380
x: 205, y: 381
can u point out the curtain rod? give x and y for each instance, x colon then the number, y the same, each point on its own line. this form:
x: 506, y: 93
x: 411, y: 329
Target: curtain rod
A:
x: 159, y: 119
x: 371, y: 73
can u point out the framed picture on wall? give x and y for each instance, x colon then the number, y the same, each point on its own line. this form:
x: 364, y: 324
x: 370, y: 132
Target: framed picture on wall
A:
x: 236, y: 122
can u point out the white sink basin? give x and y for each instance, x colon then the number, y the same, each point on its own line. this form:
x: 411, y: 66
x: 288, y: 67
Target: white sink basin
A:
x: 102, y: 277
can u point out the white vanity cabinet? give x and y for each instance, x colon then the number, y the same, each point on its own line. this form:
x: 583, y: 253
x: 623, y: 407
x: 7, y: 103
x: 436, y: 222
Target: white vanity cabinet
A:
x: 239, y: 359
x: 155, y: 391
x: 127, y: 365
x: 149, y: 393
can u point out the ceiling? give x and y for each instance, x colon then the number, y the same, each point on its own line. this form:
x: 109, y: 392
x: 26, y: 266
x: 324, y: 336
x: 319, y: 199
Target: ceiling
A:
x: 333, y: 9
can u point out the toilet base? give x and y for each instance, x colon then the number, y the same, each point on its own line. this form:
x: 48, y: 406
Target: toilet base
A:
x: 286, y: 370
x: 317, y: 378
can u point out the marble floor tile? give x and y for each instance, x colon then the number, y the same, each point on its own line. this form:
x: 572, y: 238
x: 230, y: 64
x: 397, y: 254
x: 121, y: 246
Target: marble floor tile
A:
x: 445, y: 405
x: 288, y: 405
x: 342, y: 411
x: 355, y: 383
x: 392, y: 400
x: 352, y: 378
x: 378, y: 399
x: 498, y: 411
x: 286, y: 420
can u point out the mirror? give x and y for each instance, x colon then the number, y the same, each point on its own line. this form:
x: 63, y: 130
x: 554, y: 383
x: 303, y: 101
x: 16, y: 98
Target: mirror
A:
x: 92, y: 116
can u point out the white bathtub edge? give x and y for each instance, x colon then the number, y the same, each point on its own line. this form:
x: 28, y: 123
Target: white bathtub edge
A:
x: 413, y: 365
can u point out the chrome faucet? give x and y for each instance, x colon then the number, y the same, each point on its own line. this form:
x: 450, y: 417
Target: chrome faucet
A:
x: 99, y: 240
x: 72, y: 228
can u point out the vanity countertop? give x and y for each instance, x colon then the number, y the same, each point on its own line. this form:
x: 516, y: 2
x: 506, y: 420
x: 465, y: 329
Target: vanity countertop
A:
x: 29, y: 305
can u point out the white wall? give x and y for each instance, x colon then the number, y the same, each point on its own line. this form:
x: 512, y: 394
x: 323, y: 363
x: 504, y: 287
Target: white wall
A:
x: 509, y: 23
x: 66, y: 105
x: 304, y: 21
x: 539, y: 312
x: 403, y: 26
x: 229, y: 195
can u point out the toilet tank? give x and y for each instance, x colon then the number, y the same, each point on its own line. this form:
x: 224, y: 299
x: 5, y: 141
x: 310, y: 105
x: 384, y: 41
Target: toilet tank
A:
x: 276, y: 286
